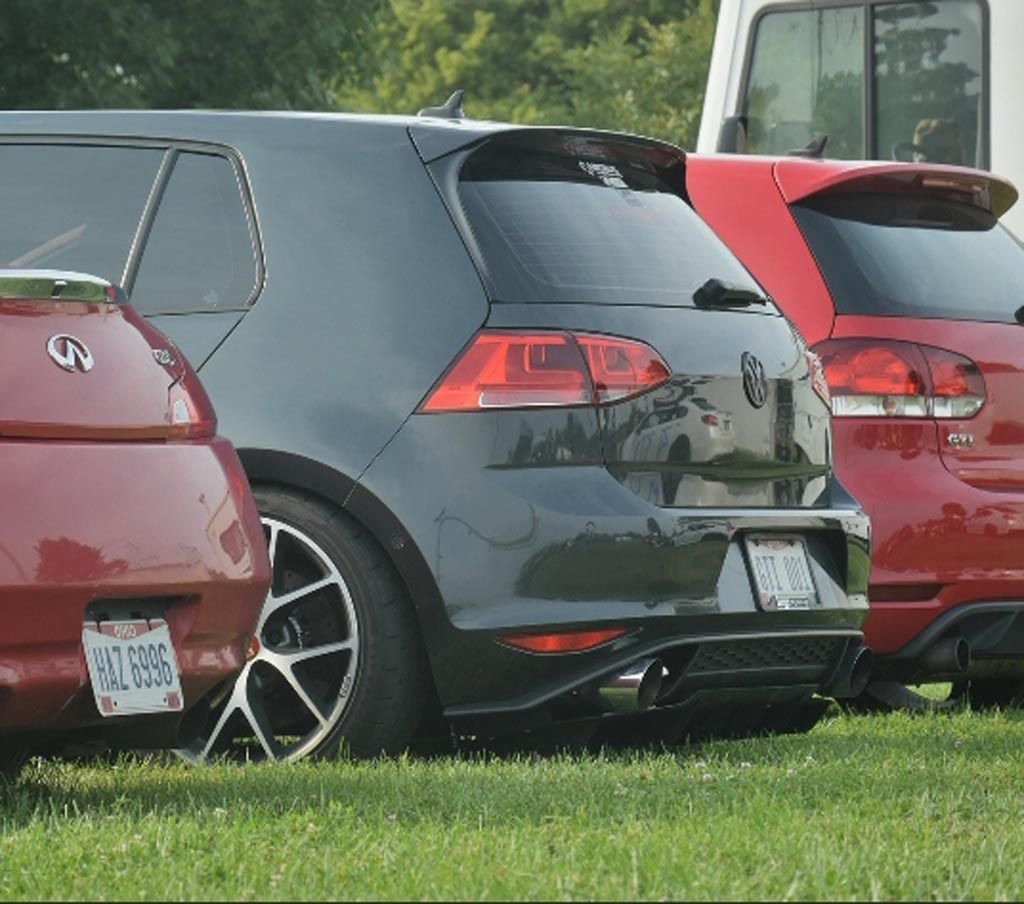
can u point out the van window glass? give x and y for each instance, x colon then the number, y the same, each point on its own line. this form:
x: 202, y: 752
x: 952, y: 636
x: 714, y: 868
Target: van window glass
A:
x: 572, y: 219
x: 199, y: 255
x: 928, y: 81
x: 806, y: 79
x: 911, y: 256
x: 73, y: 207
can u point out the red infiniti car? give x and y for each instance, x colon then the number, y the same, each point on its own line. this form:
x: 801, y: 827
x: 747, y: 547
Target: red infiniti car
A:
x: 133, y: 565
x: 902, y: 279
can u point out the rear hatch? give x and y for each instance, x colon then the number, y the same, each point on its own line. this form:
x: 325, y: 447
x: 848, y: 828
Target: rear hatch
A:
x: 76, y: 362
x: 916, y: 261
x: 712, y: 397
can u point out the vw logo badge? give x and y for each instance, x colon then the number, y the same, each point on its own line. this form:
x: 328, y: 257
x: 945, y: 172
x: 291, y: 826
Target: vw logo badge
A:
x: 69, y: 352
x: 755, y: 384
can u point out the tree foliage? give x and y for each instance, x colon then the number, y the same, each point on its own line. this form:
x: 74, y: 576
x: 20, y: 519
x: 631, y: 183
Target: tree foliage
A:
x: 186, y: 53
x: 637, y: 65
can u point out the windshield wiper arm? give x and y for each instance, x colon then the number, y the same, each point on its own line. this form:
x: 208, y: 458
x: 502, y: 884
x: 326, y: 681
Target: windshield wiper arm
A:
x: 716, y: 293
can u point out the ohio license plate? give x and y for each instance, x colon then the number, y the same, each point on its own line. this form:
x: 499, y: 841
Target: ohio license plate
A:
x: 132, y: 667
x: 781, y: 572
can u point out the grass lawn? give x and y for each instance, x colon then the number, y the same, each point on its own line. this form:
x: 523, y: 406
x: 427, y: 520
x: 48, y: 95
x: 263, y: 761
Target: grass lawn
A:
x: 862, y: 807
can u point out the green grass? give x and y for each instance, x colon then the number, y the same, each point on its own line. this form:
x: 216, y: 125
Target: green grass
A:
x: 862, y: 807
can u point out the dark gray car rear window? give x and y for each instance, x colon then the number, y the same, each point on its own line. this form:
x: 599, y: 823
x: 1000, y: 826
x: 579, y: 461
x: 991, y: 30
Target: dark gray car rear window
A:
x: 200, y: 254
x: 913, y: 256
x: 590, y: 222
x: 73, y: 207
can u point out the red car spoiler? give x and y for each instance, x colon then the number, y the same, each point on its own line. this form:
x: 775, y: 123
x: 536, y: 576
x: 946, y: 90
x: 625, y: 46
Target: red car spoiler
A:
x: 801, y: 179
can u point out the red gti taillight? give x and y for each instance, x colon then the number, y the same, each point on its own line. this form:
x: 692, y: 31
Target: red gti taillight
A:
x: 525, y: 369
x: 189, y: 410
x: 888, y: 378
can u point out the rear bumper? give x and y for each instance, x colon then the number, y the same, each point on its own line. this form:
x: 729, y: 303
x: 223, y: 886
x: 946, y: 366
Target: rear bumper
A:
x: 938, y: 544
x: 165, y: 530
x: 494, y: 550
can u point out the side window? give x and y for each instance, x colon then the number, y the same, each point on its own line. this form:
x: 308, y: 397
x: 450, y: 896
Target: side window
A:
x: 928, y: 81
x: 199, y: 255
x: 72, y: 207
x: 806, y: 78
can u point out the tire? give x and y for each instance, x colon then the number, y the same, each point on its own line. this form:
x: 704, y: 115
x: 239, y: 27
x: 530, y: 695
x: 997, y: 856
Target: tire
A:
x: 337, y: 664
x: 990, y: 693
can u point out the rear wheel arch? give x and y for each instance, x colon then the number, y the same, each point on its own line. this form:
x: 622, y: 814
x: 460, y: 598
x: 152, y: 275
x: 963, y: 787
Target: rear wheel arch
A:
x: 267, y: 467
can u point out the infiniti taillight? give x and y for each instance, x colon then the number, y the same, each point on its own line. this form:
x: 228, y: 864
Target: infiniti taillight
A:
x: 190, y: 413
x: 889, y: 378
x: 502, y: 369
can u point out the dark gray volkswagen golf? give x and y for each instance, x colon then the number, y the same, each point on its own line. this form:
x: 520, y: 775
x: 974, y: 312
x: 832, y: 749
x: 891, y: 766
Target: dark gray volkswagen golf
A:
x: 534, y: 454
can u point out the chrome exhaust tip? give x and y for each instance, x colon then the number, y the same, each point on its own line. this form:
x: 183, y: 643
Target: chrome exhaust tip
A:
x: 852, y: 675
x: 949, y: 656
x: 635, y: 689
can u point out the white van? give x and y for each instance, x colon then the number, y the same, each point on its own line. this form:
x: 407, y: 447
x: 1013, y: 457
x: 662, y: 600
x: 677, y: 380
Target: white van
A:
x: 936, y: 80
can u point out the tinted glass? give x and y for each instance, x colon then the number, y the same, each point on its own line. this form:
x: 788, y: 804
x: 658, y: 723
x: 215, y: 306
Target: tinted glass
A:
x: 199, y: 256
x: 928, y: 72
x: 72, y: 207
x: 807, y: 79
x: 914, y: 257
x: 582, y: 223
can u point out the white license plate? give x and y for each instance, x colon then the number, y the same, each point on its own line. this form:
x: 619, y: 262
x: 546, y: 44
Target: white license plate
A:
x: 781, y: 572
x: 132, y: 667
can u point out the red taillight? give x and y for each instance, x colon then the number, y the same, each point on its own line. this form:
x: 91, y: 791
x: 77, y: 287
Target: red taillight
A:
x: 888, y: 378
x: 526, y: 369
x: 622, y: 368
x: 189, y: 410
x: 565, y: 642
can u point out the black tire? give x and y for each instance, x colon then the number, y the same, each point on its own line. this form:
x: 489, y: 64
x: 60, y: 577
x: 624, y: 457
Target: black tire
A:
x: 370, y: 697
x: 990, y: 693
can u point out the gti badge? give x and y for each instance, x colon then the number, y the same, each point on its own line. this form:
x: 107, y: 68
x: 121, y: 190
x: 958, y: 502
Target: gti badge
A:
x: 69, y: 352
x: 755, y: 384
x: 961, y: 440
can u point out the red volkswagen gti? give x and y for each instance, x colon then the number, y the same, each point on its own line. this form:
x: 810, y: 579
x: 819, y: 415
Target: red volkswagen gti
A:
x: 133, y: 565
x: 904, y: 282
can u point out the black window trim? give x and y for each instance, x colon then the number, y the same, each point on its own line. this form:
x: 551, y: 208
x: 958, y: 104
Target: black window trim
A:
x: 172, y: 150
x: 870, y: 92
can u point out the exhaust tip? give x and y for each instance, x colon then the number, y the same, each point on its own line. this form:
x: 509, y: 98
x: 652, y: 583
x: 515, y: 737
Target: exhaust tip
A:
x: 962, y: 655
x: 635, y: 689
x: 860, y: 671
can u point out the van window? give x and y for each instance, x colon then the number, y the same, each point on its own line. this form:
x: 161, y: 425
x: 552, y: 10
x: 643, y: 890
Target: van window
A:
x: 200, y: 254
x: 73, y: 207
x: 594, y: 221
x: 913, y: 256
x: 807, y: 78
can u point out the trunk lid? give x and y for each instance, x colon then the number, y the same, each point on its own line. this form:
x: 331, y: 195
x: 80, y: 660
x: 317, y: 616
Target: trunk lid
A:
x: 78, y: 363
x: 593, y: 233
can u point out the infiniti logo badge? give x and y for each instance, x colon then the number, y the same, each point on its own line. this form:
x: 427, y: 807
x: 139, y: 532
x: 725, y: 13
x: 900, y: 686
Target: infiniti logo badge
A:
x: 755, y: 384
x: 69, y: 352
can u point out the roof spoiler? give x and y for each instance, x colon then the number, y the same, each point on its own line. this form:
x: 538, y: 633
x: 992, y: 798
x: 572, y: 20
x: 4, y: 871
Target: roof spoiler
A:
x: 799, y: 181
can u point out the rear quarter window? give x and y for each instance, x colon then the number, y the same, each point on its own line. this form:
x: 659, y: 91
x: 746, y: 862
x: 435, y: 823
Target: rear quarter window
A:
x: 571, y: 219
x: 914, y: 256
x: 200, y: 255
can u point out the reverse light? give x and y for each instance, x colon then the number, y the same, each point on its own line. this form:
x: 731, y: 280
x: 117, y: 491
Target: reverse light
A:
x: 505, y: 369
x: 889, y: 378
x: 564, y: 642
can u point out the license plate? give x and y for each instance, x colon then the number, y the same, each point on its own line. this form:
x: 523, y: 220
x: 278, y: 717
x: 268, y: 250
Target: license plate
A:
x: 781, y: 572
x: 132, y: 667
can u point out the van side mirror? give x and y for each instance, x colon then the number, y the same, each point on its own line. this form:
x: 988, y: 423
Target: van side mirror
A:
x: 732, y: 136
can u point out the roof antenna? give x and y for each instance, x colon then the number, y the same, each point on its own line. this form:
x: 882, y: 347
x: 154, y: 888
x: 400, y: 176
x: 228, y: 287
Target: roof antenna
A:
x: 815, y: 148
x: 451, y: 109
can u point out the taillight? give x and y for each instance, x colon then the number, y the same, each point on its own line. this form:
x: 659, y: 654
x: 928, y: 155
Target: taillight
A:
x: 563, y: 642
x: 526, y: 369
x: 189, y: 410
x: 888, y: 378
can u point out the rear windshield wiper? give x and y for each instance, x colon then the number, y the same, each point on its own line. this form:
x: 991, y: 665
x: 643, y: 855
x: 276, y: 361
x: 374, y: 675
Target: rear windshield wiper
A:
x: 718, y: 294
x: 1018, y: 315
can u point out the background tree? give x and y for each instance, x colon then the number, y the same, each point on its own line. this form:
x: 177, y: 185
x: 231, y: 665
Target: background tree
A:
x: 186, y: 53
x: 638, y: 65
